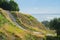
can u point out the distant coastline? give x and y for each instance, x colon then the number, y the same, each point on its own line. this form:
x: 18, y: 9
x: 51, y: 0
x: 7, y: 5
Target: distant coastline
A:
x: 46, y: 17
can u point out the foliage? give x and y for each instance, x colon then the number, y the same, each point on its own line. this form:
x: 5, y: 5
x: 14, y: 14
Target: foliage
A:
x: 55, y: 24
x: 2, y: 36
x: 46, y: 23
x: 9, y: 5
x: 13, y: 6
x: 52, y: 38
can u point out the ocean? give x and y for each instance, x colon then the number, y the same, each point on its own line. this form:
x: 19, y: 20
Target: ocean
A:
x: 45, y: 17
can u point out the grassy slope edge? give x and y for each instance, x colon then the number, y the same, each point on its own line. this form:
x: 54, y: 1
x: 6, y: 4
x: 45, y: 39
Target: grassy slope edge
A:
x: 9, y: 31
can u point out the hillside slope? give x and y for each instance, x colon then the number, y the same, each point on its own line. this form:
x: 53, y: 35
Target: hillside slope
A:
x: 18, y: 26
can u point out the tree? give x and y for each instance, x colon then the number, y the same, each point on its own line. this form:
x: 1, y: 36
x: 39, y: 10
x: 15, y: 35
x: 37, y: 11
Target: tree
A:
x: 5, y: 5
x: 55, y: 24
x: 13, y: 6
x: 9, y: 5
x: 46, y: 23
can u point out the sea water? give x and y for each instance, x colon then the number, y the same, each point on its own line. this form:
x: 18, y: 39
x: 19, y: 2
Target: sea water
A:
x: 45, y: 17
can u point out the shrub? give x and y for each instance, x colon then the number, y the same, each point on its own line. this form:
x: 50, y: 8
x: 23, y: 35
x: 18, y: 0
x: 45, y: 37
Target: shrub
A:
x: 52, y: 38
x: 9, y: 5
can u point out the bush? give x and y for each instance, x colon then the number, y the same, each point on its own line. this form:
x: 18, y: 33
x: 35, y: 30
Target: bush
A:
x: 52, y: 38
x: 13, y: 6
x: 55, y: 24
x: 9, y: 5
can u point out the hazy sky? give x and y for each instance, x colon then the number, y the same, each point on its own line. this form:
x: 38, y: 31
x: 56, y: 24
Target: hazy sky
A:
x: 40, y: 7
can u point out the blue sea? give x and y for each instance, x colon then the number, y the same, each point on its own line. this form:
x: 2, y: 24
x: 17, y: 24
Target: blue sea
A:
x: 45, y: 17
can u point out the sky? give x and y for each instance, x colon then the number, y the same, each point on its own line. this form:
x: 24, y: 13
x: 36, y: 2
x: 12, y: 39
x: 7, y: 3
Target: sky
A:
x: 39, y: 7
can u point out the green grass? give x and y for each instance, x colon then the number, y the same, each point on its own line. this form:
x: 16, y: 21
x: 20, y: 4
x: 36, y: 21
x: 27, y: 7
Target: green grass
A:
x: 25, y: 21
x: 32, y: 37
x: 2, y: 36
x: 2, y: 20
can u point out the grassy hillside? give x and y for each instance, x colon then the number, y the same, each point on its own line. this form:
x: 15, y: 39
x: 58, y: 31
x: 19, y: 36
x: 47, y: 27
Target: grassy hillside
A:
x: 18, y: 26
